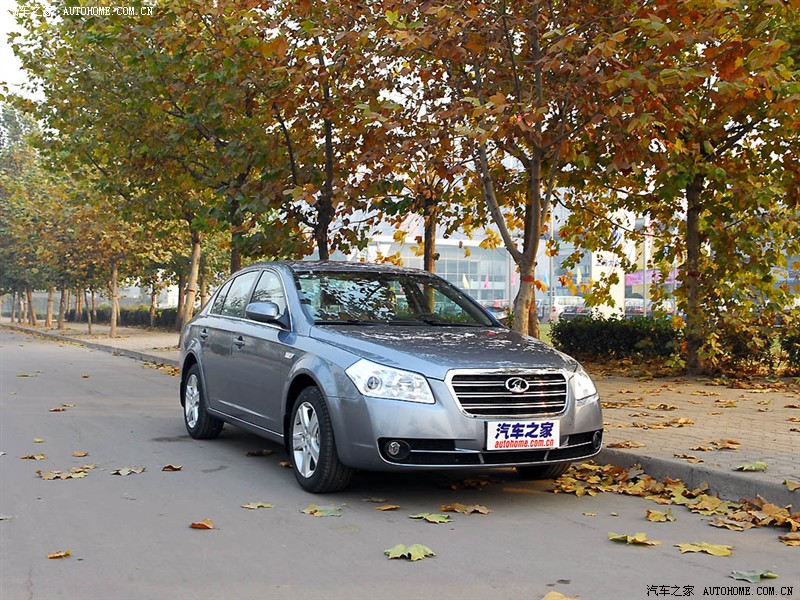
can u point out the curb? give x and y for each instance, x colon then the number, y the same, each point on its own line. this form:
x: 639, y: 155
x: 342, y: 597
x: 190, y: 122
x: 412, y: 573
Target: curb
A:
x: 141, y: 356
x: 727, y: 485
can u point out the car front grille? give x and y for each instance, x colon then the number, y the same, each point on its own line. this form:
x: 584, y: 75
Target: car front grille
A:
x: 488, y: 394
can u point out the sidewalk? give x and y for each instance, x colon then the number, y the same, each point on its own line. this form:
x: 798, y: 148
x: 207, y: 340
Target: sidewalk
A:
x: 682, y: 428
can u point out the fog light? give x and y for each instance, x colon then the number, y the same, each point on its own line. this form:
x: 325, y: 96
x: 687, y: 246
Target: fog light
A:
x: 396, y: 450
x: 597, y: 439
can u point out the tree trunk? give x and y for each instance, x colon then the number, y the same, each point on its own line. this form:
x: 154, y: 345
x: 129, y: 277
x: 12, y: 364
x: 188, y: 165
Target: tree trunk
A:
x: 523, y: 320
x: 31, y: 309
x: 62, y: 309
x: 22, y: 315
x: 153, y: 300
x: 112, y: 288
x: 13, y: 305
x: 78, y: 306
x: 68, y: 304
x: 48, y: 320
x: 194, y: 269
x: 429, y: 239
x: 94, y: 305
x: 694, y: 321
x: 88, y: 311
x: 181, y: 300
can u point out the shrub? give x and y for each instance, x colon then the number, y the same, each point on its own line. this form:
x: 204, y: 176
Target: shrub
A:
x: 602, y: 337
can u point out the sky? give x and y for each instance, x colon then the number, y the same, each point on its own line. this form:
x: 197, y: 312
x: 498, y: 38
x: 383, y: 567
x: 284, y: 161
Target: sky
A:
x: 10, y: 68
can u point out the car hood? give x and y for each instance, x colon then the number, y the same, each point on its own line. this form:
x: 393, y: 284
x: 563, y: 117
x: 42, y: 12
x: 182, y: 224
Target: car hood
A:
x: 433, y: 351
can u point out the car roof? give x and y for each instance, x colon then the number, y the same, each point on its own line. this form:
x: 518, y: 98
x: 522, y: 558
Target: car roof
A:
x: 340, y: 266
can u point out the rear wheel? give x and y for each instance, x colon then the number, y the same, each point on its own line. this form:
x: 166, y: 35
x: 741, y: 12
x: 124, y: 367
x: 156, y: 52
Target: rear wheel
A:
x: 314, y: 458
x: 199, y: 423
x: 543, y: 471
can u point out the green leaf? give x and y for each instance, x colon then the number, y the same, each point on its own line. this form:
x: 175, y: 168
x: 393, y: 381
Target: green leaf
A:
x: 792, y: 485
x: 431, y: 517
x: 756, y: 466
x: 413, y: 552
x: 255, y: 505
x: 753, y: 576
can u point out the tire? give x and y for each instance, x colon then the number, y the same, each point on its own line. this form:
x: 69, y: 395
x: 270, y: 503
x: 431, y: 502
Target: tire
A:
x: 315, y: 461
x: 543, y: 471
x: 199, y: 423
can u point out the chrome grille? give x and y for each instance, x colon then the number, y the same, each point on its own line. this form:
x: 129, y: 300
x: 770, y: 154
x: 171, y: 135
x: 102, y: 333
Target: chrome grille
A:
x: 487, y: 395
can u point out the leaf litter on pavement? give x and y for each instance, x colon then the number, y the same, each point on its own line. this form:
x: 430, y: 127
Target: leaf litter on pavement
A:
x: 592, y: 479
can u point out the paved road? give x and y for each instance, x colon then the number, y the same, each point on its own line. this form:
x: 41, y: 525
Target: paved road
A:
x: 129, y: 536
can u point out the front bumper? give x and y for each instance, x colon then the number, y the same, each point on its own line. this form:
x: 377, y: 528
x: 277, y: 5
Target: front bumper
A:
x: 442, y: 436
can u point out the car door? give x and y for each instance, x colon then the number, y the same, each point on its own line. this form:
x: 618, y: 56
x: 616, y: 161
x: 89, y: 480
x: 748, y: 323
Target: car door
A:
x: 258, y: 357
x: 219, y: 329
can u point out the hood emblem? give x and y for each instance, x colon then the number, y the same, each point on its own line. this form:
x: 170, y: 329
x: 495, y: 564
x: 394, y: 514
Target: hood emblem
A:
x: 517, y: 385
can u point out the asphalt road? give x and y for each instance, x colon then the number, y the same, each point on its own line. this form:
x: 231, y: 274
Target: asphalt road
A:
x: 130, y: 536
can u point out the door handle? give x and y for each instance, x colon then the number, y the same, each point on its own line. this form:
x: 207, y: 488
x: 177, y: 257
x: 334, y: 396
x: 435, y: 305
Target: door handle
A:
x: 203, y: 335
x: 239, y: 342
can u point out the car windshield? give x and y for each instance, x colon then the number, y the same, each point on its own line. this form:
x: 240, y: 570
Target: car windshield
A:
x: 393, y: 298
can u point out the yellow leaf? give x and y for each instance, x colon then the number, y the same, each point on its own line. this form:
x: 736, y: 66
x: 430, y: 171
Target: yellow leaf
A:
x: 34, y: 457
x: 59, y: 554
x: 639, y: 539
x: 171, y: 468
x: 387, y: 507
x: 713, y: 549
x: 792, y: 485
x: 255, y: 505
x: 80, y: 454
x: 790, y: 539
x: 204, y: 524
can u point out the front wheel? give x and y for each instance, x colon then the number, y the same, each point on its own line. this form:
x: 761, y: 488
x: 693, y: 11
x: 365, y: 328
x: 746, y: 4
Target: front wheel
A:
x: 199, y: 423
x: 543, y: 471
x: 315, y: 461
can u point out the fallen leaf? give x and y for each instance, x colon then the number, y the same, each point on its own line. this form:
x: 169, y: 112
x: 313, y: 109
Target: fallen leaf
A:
x: 557, y: 596
x: 470, y: 484
x: 730, y: 524
x: 322, y: 511
x: 59, y: 554
x: 172, y: 468
x: 285, y: 464
x: 660, y: 517
x: 724, y: 444
x: 626, y: 444
x: 705, y: 393
x: 38, y: 440
x: 259, y: 453
x: 25, y: 375
x: 413, y: 552
x: 702, y: 448
x: 5, y: 517
x: 255, y: 505
x: 713, y: 549
x: 690, y: 457
x: 792, y: 485
x: 662, y: 406
x: 431, y: 517
x: 639, y: 539
x: 385, y: 507
x: 790, y: 539
x: 86, y: 376
x: 128, y: 471
x: 58, y: 409
x: 465, y: 509
x: 753, y: 576
x: 69, y: 405
x: 791, y: 406
x: 34, y: 457
x: 375, y: 500
x: 80, y: 454
x: 204, y: 524
x: 756, y: 466
x: 589, y: 514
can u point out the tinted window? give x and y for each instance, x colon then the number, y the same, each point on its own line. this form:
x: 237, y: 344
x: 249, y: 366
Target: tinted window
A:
x: 237, y: 296
x: 270, y: 289
x: 220, y: 298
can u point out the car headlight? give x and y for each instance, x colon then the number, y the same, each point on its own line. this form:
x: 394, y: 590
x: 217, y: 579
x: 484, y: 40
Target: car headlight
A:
x: 378, y: 381
x: 583, y: 389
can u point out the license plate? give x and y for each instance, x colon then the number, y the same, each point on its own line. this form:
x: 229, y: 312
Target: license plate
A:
x: 522, y: 435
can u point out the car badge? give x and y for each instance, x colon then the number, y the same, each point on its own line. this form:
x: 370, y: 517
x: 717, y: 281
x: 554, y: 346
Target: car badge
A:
x: 517, y: 385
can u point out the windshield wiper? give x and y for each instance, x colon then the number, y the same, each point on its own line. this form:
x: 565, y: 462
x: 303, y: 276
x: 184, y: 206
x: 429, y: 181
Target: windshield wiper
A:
x: 345, y: 322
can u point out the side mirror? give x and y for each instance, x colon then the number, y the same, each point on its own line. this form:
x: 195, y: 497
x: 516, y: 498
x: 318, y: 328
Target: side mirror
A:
x: 263, y: 312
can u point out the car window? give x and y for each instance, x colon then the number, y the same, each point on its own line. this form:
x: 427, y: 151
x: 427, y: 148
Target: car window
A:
x: 237, y: 296
x: 216, y: 308
x: 385, y: 297
x: 270, y: 289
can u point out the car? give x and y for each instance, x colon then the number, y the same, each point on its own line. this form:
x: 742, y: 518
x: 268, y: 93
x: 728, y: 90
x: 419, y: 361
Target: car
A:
x: 634, y: 307
x: 499, y: 312
x: 361, y: 367
x: 576, y: 311
x: 554, y: 307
